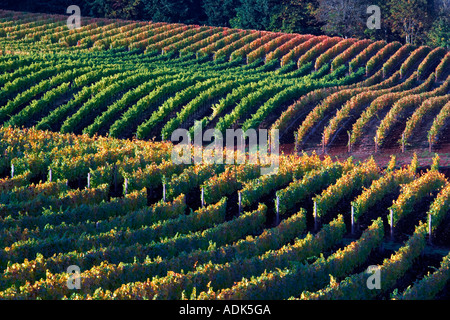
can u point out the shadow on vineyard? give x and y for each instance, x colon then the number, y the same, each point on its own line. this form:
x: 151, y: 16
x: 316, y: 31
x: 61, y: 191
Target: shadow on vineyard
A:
x: 74, y: 184
x: 444, y: 139
x: 406, y: 227
x: 441, y: 238
x: 444, y: 294
x: 421, y: 267
x: 380, y: 210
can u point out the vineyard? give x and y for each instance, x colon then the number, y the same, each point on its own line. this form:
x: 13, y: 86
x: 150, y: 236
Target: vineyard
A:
x: 130, y: 79
x: 139, y: 226
x: 87, y: 177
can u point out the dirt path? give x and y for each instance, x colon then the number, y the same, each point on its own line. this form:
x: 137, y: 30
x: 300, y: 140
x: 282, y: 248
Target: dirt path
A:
x: 383, y: 157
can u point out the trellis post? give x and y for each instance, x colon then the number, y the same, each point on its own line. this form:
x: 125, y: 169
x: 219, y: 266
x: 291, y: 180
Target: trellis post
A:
x: 391, y: 221
x: 376, y: 144
x: 203, y: 197
x: 315, y: 215
x: 277, y: 211
x: 349, y: 142
x: 164, y: 192
x: 240, y: 202
x: 323, y: 144
x: 429, y: 144
x: 353, y: 219
x: 115, y: 178
x: 403, y: 142
x: 429, y: 227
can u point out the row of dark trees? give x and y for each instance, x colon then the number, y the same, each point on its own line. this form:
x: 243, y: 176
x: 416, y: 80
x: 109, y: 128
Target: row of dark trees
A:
x: 412, y: 21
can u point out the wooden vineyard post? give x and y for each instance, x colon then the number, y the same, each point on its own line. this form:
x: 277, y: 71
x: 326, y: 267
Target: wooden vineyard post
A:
x: 429, y: 144
x: 89, y: 180
x: 376, y: 143
x: 315, y: 216
x: 203, y: 197
x: 115, y: 178
x: 349, y: 142
x: 240, y: 202
x: 277, y: 220
x: 352, y: 218
x: 429, y: 227
x: 125, y: 191
x: 403, y: 143
x: 12, y: 171
x: 323, y: 144
x: 164, y: 192
x: 391, y: 222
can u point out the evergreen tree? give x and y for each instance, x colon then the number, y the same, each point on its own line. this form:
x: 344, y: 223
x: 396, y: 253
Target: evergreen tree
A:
x: 175, y: 11
x: 416, y: 21
x: 255, y: 14
x: 296, y: 16
x: 121, y: 9
x: 439, y: 34
x: 409, y: 18
x: 44, y: 6
x: 220, y: 12
x: 345, y: 18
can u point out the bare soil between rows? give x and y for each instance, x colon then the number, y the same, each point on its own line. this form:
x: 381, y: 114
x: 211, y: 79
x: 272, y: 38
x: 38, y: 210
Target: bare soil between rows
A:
x: 383, y: 156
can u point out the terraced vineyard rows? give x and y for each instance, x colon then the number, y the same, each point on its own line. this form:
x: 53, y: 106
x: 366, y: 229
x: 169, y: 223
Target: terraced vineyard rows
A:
x: 87, y: 176
x: 320, y: 92
x: 131, y: 243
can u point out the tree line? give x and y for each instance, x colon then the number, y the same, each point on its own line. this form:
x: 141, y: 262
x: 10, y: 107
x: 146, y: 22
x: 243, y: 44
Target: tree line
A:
x: 418, y: 22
